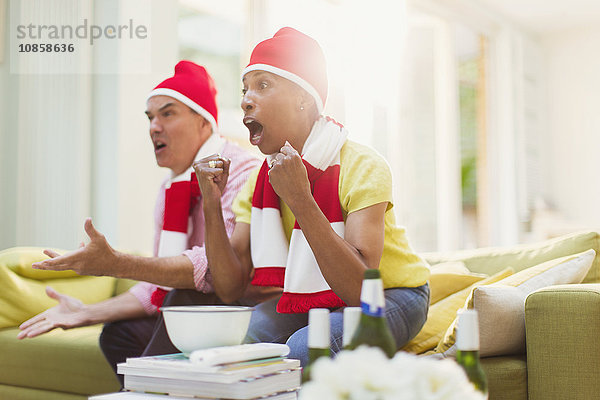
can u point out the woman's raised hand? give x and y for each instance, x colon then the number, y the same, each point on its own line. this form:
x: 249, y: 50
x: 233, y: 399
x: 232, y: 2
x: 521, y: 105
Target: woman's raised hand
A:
x: 212, y: 173
x: 288, y: 176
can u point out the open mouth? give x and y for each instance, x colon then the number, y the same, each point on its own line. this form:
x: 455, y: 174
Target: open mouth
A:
x: 255, y: 129
x: 158, y: 146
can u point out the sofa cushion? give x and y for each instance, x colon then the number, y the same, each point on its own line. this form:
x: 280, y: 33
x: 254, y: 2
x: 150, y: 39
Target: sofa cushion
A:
x: 448, y: 278
x: 501, y: 306
x: 19, y: 260
x: 22, y: 297
x: 441, y: 315
x: 492, y: 259
x: 123, y: 285
x: 64, y: 361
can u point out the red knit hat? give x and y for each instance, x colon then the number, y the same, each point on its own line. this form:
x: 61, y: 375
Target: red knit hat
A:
x: 194, y: 87
x: 295, y: 56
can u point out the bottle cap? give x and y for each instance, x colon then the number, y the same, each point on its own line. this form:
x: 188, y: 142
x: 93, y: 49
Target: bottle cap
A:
x: 467, y: 331
x: 351, y: 319
x: 372, y: 299
x: 318, y: 328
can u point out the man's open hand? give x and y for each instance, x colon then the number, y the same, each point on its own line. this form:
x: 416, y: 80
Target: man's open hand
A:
x: 69, y: 313
x: 95, y: 258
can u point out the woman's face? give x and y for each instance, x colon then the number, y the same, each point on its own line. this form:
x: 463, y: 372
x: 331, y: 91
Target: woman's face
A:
x: 271, y: 107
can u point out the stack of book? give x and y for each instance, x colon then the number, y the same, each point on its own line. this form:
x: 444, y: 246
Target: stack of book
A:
x: 243, y: 372
x: 151, y: 396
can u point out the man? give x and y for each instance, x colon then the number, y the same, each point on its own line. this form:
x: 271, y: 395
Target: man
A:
x: 182, y: 112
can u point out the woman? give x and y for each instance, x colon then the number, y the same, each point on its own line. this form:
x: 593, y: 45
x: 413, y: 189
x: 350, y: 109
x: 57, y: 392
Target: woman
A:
x: 316, y: 215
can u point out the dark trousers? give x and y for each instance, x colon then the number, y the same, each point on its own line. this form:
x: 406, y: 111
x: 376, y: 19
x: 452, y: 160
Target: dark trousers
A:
x: 147, y: 336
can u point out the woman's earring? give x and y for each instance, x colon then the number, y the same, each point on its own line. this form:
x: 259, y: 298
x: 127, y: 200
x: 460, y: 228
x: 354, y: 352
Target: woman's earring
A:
x: 301, y: 108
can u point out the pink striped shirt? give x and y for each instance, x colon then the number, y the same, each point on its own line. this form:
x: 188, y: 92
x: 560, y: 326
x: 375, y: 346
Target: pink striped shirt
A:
x: 242, y: 163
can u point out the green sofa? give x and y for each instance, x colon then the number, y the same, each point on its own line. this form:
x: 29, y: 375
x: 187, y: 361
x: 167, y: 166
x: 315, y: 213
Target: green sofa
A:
x: 62, y: 364
x: 562, y: 326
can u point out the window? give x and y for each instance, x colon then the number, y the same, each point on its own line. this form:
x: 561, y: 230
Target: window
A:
x: 471, y: 58
x: 211, y: 34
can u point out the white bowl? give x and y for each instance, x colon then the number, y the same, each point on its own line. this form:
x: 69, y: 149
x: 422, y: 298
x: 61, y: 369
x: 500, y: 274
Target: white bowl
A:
x: 199, y: 327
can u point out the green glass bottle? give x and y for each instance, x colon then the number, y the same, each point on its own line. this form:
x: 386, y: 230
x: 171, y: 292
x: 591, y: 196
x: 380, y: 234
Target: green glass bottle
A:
x: 373, y: 329
x: 318, y: 339
x: 467, y: 349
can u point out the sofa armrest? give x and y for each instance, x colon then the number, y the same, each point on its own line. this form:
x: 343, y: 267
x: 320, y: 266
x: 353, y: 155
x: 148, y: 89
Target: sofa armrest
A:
x: 563, y: 342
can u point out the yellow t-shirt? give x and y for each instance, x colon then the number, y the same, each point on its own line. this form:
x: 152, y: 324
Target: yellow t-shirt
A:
x: 365, y: 180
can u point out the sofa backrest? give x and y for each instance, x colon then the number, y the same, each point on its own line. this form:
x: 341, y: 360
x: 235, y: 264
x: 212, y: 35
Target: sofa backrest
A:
x: 490, y: 260
x: 22, y: 288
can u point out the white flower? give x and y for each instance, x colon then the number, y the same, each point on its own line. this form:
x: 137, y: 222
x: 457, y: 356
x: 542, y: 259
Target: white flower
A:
x: 367, y: 374
x: 437, y: 379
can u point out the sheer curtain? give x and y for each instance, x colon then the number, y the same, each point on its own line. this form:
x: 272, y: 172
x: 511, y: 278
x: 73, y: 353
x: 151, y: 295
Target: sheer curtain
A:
x: 50, y: 171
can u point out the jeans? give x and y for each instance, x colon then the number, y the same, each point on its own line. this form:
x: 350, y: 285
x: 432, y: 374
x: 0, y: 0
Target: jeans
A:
x: 405, y: 311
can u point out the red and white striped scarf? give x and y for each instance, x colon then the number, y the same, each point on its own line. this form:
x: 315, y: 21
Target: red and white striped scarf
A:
x: 181, y: 196
x: 294, y: 267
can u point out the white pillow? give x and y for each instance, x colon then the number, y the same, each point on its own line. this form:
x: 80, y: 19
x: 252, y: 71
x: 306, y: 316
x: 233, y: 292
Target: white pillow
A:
x: 501, y: 305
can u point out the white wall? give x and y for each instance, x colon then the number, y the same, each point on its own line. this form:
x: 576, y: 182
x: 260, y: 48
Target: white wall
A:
x: 571, y: 135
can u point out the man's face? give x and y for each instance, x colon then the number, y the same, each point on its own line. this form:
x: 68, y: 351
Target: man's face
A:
x: 176, y: 131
